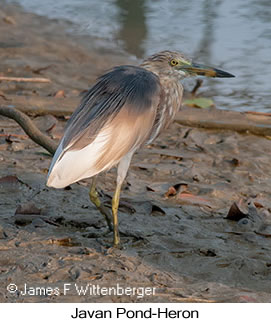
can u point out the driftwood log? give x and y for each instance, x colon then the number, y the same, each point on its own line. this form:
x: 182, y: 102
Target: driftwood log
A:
x: 37, y: 105
x: 255, y: 123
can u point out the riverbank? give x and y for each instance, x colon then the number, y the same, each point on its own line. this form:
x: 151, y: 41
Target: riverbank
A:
x: 174, y: 206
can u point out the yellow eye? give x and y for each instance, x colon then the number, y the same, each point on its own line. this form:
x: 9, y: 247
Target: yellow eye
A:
x: 173, y: 62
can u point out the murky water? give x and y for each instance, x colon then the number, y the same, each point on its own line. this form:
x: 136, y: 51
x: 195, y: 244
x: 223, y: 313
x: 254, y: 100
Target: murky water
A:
x: 232, y: 34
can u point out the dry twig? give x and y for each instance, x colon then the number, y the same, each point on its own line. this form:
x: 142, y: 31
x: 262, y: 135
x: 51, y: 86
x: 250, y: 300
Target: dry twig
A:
x: 25, y: 79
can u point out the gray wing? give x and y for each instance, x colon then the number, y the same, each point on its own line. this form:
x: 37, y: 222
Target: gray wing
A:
x: 127, y: 85
x: 114, y: 117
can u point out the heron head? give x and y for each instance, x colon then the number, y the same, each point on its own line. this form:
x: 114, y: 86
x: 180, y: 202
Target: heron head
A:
x: 176, y: 64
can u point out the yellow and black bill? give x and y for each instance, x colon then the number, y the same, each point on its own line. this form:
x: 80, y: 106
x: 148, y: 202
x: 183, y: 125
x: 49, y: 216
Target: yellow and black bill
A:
x: 199, y: 69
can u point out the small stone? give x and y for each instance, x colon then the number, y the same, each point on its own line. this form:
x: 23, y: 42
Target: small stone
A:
x: 9, y: 20
x: 17, y: 146
x: 38, y: 223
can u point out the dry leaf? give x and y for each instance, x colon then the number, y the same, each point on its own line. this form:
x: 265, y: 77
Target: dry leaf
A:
x: 171, y: 192
x: 258, y: 204
x: 177, y: 188
x: 199, y: 103
x: 60, y: 94
x: 235, y: 213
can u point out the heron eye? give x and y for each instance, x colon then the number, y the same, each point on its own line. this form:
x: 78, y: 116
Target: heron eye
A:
x: 173, y: 62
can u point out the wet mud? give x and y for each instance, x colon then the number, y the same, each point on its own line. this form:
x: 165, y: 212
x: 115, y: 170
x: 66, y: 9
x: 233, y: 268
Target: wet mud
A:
x: 195, y: 208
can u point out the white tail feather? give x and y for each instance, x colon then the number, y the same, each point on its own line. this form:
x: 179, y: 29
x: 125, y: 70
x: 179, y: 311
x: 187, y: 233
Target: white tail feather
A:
x: 75, y: 165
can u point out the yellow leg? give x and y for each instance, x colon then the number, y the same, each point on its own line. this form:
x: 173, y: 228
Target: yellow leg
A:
x: 122, y: 171
x: 94, y: 197
x: 115, y: 206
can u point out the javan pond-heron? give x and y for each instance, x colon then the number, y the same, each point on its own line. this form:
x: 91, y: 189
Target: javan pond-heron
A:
x: 126, y: 108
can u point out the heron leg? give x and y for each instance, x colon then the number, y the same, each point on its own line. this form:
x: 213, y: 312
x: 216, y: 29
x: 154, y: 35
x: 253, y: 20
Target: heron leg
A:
x: 94, y: 197
x: 115, y: 206
x: 122, y: 172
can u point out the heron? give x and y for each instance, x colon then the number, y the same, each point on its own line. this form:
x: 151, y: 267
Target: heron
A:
x: 127, y: 107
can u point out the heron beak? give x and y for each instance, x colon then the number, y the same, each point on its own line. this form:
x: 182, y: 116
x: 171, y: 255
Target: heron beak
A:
x: 200, y: 69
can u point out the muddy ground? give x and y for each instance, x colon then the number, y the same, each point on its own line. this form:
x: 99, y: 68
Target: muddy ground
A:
x: 174, y: 205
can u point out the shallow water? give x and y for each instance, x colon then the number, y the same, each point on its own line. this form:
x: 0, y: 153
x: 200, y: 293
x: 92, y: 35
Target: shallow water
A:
x: 234, y: 35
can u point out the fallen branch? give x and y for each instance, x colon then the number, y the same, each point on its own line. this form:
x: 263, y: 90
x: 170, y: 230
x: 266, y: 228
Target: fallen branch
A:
x: 30, y: 129
x: 25, y: 79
